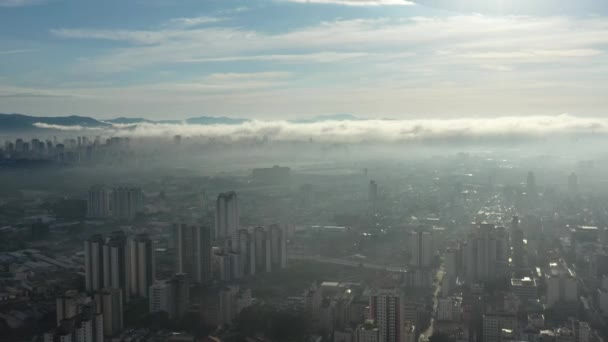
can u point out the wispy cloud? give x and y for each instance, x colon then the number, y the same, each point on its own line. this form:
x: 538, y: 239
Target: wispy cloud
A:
x: 13, y: 52
x: 20, y: 3
x: 194, y: 21
x: 356, y: 2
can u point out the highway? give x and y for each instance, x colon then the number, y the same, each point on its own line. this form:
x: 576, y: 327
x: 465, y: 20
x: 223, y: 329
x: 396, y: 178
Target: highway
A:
x: 347, y: 262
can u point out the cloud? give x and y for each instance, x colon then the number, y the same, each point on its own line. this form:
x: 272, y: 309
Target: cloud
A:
x: 194, y: 21
x: 356, y: 2
x: 463, y: 129
x: 20, y: 3
x: 66, y: 128
x: 13, y: 52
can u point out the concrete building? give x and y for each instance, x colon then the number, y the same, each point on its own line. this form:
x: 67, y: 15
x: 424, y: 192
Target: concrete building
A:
x: 93, y: 263
x: 387, y: 310
x: 421, y: 247
x: 368, y: 332
x: 142, y: 265
x: 525, y: 289
x: 227, y: 217
x: 108, y: 302
x: 562, y: 286
x: 116, y: 264
x: 193, y: 251
x: 98, y: 202
x: 494, y: 324
x: 126, y: 201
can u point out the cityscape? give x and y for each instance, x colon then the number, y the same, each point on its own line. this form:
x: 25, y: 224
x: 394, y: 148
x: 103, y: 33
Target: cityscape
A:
x: 303, y: 171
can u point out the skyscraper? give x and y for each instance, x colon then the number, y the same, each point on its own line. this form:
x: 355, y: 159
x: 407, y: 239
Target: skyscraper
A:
x: 485, y: 260
x: 116, y: 264
x: 226, y: 216
x: 93, y: 263
x: 193, y: 251
x: 386, y: 309
x: 262, y: 250
x: 246, y: 250
x: 180, y: 286
x: 573, y: 184
x: 142, y: 270
x: 278, y: 252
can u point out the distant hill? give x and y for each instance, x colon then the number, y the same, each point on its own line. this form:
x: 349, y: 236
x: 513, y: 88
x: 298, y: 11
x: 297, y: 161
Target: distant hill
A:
x: 212, y: 120
x: 19, y: 122
x: 331, y: 117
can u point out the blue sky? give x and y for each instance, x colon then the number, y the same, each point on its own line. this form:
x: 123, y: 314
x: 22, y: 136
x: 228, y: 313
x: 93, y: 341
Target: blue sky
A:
x: 275, y: 59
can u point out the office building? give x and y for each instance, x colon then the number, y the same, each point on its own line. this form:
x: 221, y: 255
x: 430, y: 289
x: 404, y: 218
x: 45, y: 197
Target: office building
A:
x: 142, y: 270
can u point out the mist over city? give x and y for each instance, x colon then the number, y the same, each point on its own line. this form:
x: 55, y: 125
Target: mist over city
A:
x: 303, y: 171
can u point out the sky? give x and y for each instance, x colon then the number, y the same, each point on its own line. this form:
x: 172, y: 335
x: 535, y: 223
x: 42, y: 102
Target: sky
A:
x: 286, y: 59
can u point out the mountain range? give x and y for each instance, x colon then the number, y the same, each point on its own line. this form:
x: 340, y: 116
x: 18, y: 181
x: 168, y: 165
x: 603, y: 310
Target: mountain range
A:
x: 20, y: 122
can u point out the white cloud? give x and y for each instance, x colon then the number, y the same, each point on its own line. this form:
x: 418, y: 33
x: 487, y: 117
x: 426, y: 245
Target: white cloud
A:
x: 20, y: 3
x: 194, y: 21
x: 376, y: 130
x: 356, y: 2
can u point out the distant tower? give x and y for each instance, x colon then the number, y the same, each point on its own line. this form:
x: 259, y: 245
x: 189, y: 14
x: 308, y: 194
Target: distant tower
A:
x: 93, y: 263
x: 573, y: 184
x: 262, y: 250
x: 517, y: 242
x: 227, y: 216
x: 531, y: 184
x: 142, y: 270
x: 181, y: 295
x: 108, y: 302
x: 126, y: 202
x: 193, y: 251
x: 421, y: 246
x: 372, y: 195
x: 116, y: 263
x: 98, y: 201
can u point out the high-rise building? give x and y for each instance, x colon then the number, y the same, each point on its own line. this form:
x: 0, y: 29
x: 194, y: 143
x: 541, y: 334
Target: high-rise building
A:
x: 531, y: 185
x: 278, y: 251
x: 262, y: 250
x: 126, y: 201
x: 485, y: 253
x: 372, y: 195
x: 93, y: 263
x: 226, y: 216
x: 142, y: 270
x: 171, y: 296
x: 70, y: 305
x: 116, y: 264
x: 387, y: 310
x: 193, y: 251
x: 421, y: 247
x: 517, y: 242
x: 180, y: 286
x: 562, y: 286
x: 108, y: 302
x: 368, y: 332
x: 573, y: 184
x: 246, y: 250
x: 98, y: 201
x: 161, y: 297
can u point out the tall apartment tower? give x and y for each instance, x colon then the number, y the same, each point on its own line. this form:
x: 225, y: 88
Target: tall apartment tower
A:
x: 421, y: 246
x: 387, y: 310
x: 278, y: 251
x: 108, y: 302
x: 126, y: 201
x: 93, y: 263
x: 98, y: 201
x: 227, y: 217
x: 193, y: 251
x: 116, y: 264
x: 142, y: 270
x: 246, y: 251
x: 262, y: 250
